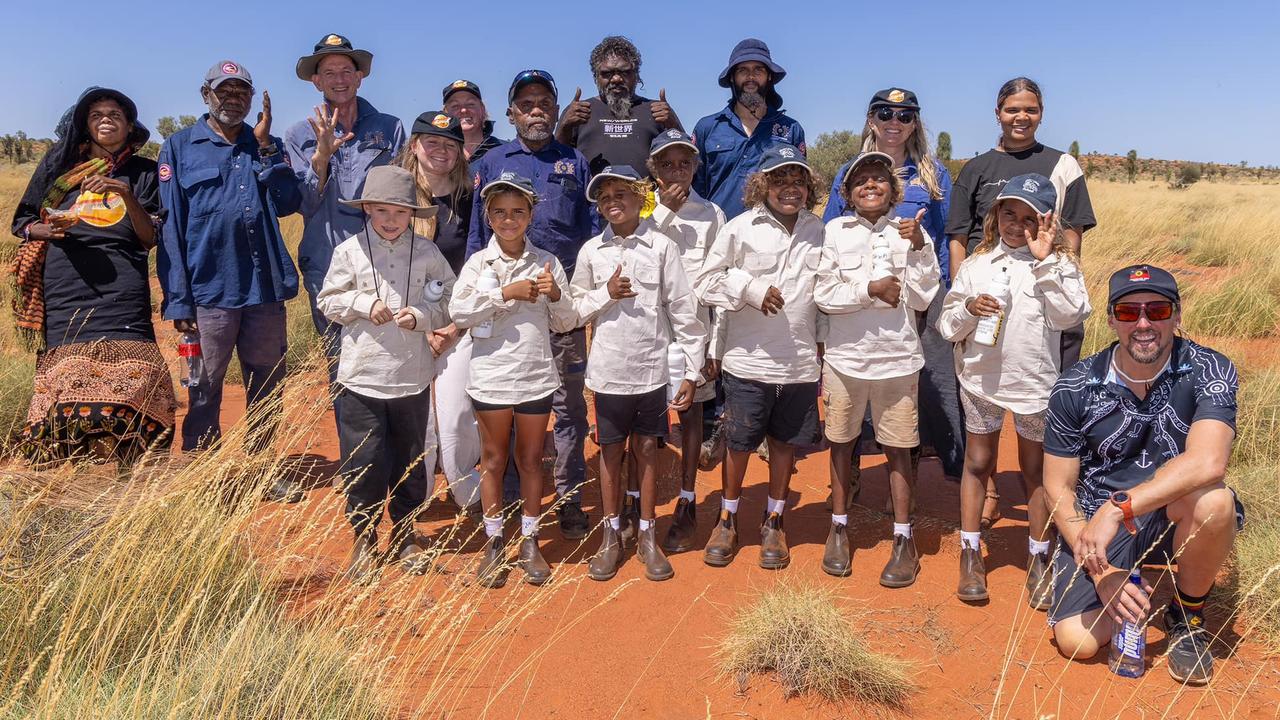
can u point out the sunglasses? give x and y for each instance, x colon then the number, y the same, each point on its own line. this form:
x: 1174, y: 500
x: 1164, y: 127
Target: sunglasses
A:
x: 1130, y: 311
x: 906, y: 117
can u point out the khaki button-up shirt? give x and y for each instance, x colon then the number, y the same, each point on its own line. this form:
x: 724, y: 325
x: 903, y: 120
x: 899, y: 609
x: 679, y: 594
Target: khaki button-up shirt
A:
x: 693, y: 228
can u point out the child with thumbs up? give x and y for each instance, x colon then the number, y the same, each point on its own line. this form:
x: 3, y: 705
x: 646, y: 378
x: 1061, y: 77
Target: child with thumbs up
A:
x: 877, y: 271
x: 630, y: 284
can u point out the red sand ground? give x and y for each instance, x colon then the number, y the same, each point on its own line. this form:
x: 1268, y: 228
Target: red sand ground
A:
x: 650, y: 650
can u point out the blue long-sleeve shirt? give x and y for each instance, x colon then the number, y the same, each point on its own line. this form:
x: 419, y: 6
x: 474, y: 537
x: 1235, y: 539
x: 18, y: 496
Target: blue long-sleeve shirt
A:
x: 729, y: 156
x: 221, y: 244
x: 327, y: 222
x: 915, y: 197
x: 562, y: 219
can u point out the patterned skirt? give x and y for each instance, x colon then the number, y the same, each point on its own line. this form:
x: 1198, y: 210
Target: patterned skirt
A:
x: 99, y: 399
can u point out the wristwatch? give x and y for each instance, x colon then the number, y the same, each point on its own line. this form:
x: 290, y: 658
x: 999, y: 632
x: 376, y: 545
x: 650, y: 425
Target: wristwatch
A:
x: 1122, y: 501
x: 268, y: 150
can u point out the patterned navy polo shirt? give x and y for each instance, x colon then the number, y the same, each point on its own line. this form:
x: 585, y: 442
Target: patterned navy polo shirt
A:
x: 1121, y: 440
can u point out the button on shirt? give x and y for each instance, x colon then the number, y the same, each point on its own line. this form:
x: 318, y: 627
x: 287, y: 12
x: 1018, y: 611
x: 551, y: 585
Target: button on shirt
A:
x: 1047, y: 297
x: 1121, y: 440
x: 378, y: 138
x: 221, y: 244
x: 751, y: 253
x: 915, y: 197
x: 729, y: 156
x: 630, y: 337
x: 385, y: 361
x: 514, y: 364
x: 561, y: 219
x: 867, y: 338
x: 693, y: 228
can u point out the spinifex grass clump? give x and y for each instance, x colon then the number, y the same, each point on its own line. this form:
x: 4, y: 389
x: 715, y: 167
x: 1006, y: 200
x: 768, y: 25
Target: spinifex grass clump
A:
x: 799, y: 634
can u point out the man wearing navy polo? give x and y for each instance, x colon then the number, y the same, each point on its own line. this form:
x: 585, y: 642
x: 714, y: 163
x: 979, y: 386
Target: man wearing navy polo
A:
x: 222, y: 262
x: 1137, y: 440
x: 732, y: 141
x: 561, y: 224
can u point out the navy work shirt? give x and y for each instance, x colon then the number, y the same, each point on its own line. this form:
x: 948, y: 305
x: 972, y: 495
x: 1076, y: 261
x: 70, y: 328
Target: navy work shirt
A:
x: 562, y: 219
x: 378, y: 138
x: 729, y: 156
x: 1121, y: 440
x: 221, y: 245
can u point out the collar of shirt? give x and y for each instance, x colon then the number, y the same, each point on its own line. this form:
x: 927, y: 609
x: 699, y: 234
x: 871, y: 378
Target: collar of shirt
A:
x: 493, y: 251
x: 551, y: 149
x: 202, y: 132
x: 641, y: 235
x: 1002, y: 250
x: 1102, y: 375
x: 884, y: 221
x: 762, y: 214
x: 729, y: 116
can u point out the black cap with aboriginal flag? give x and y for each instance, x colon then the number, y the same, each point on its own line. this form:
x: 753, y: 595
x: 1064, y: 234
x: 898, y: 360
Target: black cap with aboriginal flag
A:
x: 1142, y: 278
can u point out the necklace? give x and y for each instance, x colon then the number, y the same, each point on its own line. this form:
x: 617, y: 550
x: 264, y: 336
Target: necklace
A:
x: 1139, y: 381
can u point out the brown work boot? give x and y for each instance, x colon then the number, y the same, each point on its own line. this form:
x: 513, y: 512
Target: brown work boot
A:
x: 973, y: 575
x: 656, y: 565
x: 852, y: 492
x: 412, y: 553
x: 536, y: 569
x: 630, y: 517
x: 492, y: 570
x: 723, y: 543
x: 836, y: 559
x: 1039, y: 581
x: 712, y: 450
x: 362, y: 567
x: 684, y: 525
x: 903, y: 565
x: 604, y: 564
x: 773, y: 543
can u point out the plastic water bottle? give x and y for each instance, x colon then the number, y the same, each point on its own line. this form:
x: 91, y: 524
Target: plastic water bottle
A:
x: 434, y: 290
x: 1129, y: 645
x: 989, y: 327
x: 193, y: 365
x: 881, y: 258
x: 487, y: 281
x: 675, y: 370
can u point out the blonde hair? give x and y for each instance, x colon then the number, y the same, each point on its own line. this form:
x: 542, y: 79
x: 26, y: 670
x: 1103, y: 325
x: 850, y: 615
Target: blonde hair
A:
x: 917, y: 148
x: 641, y: 187
x: 991, y: 234
x: 757, y: 188
x: 460, y: 175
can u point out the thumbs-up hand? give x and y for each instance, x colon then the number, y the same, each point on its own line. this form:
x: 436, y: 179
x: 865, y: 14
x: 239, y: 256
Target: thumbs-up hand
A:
x: 909, y: 229
x: 547, y: 283
x: 619, y: 286
x: 662, y: 112
x: 578, y: 112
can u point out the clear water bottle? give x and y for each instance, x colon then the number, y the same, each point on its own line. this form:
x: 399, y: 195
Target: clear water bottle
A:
x: 675, y: 370
x: 989, y: 327
x: 193, y: 360
x: 434, y: 290
x: 1129, y: 644
x: 881, y: 258
x: 487, y: 281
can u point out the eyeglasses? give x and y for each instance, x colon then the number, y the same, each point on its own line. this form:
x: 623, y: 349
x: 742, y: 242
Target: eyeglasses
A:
x: 906, y: 117
x: 1130, y: 311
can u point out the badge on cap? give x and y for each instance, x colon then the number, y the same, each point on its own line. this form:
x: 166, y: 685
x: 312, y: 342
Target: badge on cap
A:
x: 230, y: 68
x: 673, y: 134
x: 165, y: 172
x: 1139, y: 275
x: 507, y: 176
x: 440, y: 121
x: 333, y: 40
x: 787, y: 152
x: 1030, y: 185
x: 896, y: 95
x: 459, y: 84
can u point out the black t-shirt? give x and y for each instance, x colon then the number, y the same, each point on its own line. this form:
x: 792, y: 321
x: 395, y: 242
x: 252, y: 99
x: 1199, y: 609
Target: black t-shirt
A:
x: 606, y: 140
x: 452, y: 226
x: 982, y: 178
x: 95, y: 279
x: 1121, y: 440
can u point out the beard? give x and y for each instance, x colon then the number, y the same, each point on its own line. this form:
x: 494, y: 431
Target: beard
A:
x: 618, y: 98
x: 536, y: 134
x: 752, y: 101
x: 1147, y: 358
x: 226, y: 116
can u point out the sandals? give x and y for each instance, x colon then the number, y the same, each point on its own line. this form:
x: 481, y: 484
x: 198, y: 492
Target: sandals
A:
x: 991, y: 510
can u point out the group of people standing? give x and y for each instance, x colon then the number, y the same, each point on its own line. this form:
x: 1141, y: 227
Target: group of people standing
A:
x: 450, y: 260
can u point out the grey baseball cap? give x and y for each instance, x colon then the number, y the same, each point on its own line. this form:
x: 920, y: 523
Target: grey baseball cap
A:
x: 225, y: 70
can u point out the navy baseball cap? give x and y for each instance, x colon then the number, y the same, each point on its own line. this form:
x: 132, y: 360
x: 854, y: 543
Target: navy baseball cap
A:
x: 226, y: 70
x: 1142, y: 278
x: 670, y: 138
x: 436, y: 122
x: 459, y: 86
x: 510, y: 180
x: 863, y: 159
x: 1033, y: 189
x: 621, y: 172
x: 894, y: 97
x: 529, y: 77
x: 781, y: 155
x: 750, y: 50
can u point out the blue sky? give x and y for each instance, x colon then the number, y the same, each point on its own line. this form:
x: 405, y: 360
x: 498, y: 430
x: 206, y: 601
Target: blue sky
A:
x: 1173, y: 79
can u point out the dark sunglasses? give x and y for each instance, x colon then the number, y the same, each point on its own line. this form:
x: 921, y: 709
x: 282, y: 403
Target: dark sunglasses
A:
x: 1130, y: 311
x: 906, y: 117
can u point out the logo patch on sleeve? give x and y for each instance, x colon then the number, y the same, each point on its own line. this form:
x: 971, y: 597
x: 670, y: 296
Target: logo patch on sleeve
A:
x: 165, y: 172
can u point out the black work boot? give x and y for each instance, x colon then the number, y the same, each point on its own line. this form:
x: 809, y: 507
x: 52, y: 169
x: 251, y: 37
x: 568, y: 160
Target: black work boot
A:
x: 774, y: 554
x: 836, y: 558
x: 604, y: 564
x: 684, y: 525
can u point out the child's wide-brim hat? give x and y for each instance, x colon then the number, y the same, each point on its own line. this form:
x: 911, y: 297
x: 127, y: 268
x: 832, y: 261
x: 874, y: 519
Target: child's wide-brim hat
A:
x: 391, y: 185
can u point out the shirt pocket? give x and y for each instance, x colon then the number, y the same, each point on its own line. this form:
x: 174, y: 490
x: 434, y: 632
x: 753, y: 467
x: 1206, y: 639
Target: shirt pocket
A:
x: 645, y: 279
x: 850, y: 262
x: 760, y: 263
x: 564, y: 196
x: 202, y: 186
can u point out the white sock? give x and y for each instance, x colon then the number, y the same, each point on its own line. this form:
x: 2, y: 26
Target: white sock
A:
x: 528, y: 525
x: 634, y: 493
x: 777, y: 506
x: 493, y: 526
x: 1038, y: 547
x: 970, y: 539
x: 615, y: 522
x: 730, y: 505
x: 688, y: 495
x: 840, y: 519
x: 645, y: 524
x: 903, y: 529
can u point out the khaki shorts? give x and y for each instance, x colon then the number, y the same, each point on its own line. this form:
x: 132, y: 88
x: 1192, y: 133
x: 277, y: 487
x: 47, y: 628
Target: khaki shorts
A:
x: 893, y: 408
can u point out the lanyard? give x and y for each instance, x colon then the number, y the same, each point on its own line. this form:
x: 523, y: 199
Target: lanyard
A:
x: 408, y: 273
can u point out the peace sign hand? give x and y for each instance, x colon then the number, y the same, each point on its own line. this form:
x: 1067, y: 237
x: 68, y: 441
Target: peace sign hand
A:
x: 1041, y: 246
x: 325, y: 125
x: 909, y: 229
x: 262, y: 131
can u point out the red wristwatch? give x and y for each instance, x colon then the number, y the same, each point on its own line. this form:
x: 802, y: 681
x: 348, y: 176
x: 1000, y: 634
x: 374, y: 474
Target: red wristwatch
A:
x: 1122, y: 501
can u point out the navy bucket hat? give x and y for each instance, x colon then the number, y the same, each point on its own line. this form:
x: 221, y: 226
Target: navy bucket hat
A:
x: 749, y: 50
